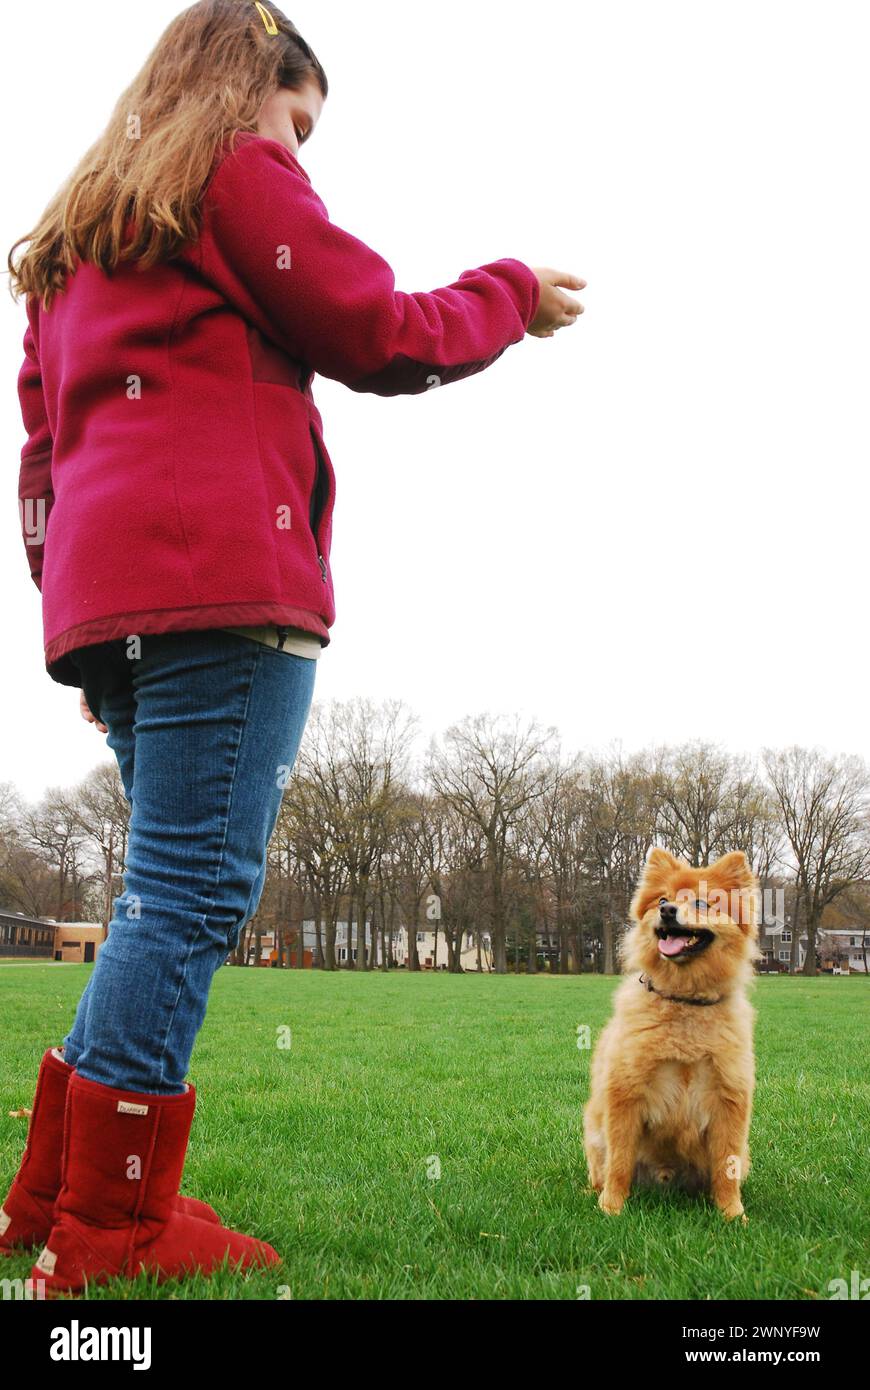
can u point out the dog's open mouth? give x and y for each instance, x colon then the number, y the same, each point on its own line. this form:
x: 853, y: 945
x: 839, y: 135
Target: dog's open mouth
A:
x: 678, y: 943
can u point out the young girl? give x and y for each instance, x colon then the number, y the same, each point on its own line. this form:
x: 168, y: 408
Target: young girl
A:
x: 176, y: 497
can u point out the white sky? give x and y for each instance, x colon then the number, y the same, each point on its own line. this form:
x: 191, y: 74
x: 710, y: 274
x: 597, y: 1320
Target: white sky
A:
x: 651, y: 527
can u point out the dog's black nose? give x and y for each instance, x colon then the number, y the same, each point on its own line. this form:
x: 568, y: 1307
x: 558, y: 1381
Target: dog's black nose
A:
x: 668, y: 912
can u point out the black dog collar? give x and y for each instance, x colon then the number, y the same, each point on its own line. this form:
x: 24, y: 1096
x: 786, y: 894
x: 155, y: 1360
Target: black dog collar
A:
x: 678, y: 998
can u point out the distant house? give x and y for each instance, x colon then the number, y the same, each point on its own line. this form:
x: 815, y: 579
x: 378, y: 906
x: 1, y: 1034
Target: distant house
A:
x: 77, y: 941
x: 430, y: 959
x: 425, y: 948
x: 427, y: 955
x: 548, y: 948
x: 44, y: 938
x: 839, y: 950
x: 26, y: 936
x: 269, y: 948
x: 775, y: 944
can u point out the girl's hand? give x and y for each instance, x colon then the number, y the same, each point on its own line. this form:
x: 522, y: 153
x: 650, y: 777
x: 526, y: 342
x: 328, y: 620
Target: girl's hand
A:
x: 555, y: 310
x: 86, y: 714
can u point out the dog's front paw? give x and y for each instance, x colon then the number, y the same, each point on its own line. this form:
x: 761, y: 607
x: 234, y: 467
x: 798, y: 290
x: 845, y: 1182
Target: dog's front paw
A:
x: 731, y: 1210
x: 611, y: 1202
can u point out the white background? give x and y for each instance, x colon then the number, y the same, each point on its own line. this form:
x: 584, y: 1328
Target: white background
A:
x: 651, y: 527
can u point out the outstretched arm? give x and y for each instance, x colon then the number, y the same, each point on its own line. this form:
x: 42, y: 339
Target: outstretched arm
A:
x: 267, y: 243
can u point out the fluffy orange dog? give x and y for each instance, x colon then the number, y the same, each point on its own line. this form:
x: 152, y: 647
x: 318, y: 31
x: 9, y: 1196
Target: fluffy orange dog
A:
x: 673, y: 1071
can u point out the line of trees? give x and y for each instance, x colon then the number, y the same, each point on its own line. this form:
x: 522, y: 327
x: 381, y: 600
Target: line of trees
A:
x: 490, y: 831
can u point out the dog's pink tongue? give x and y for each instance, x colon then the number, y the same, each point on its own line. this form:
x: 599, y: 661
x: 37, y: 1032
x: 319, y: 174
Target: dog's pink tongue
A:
x: 671, y: 945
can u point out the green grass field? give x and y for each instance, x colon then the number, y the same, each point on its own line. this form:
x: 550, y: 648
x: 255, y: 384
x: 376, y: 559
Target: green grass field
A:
x: 325, y: 1149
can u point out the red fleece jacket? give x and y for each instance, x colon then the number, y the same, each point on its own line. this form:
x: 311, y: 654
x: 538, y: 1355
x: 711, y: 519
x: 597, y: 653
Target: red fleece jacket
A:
x: 175, y: 474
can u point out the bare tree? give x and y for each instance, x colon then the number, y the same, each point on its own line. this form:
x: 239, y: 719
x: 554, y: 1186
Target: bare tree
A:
x: 104, y: 816
x: 619, y: 828
x: 313, y: 820
x: 54, y: 829
x: 489, y: 770
x: 708, y: 802
x: 823, y: 802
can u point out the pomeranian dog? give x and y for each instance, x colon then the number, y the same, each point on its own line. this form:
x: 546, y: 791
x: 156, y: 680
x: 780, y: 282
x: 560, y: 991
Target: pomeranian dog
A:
x: 673, y: 1071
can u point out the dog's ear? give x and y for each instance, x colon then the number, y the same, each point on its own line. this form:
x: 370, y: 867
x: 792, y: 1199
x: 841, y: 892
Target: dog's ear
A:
x: 653, y: 881
x: 733, y: 873
x: 660, y: 859
x: 733, y: 870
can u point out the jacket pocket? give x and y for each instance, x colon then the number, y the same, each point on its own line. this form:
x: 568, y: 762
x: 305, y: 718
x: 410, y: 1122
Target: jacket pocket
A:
x: 319, y: 499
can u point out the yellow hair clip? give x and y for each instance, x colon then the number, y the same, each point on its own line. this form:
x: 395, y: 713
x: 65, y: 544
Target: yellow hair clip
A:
x: 271, y: 26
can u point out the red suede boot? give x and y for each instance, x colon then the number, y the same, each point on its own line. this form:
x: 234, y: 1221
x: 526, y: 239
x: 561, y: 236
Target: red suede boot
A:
x: 26, y: 1216
x: 115, y: 1215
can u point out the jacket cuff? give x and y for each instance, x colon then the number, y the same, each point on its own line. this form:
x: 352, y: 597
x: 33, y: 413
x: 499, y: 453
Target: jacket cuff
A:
x: 523, y: 283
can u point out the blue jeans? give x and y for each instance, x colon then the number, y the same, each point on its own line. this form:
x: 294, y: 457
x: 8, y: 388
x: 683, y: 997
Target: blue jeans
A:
x: 206, y: 726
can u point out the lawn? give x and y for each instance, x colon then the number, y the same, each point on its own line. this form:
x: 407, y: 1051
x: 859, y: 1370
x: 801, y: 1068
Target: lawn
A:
x: 330, y: 1148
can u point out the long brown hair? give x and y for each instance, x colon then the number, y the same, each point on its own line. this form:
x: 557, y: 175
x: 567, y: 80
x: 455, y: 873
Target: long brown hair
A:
x: 205, y: 80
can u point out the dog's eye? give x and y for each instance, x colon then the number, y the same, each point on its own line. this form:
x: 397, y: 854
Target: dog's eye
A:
x: 700, y: 905
x: 662, y: 900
